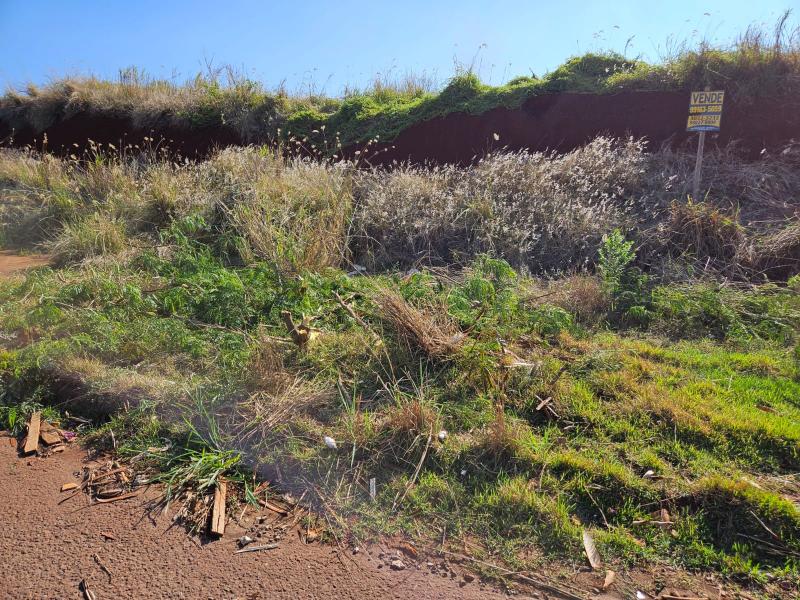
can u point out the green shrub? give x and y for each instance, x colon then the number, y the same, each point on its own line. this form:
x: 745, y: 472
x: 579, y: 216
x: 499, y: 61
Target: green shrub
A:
x: 623, y: 281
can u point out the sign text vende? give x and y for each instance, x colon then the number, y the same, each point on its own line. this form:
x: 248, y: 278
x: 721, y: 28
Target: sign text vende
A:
x: 705, y: 111
x: 705, y: 98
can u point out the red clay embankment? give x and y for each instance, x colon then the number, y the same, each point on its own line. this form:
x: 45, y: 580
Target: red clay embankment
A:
x: 563, y: 122
x: 548, y: 122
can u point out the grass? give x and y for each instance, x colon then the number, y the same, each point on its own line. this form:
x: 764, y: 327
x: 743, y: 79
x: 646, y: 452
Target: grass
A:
x: 585, y: 377
x: 759, y: 63
x: 716, y: 421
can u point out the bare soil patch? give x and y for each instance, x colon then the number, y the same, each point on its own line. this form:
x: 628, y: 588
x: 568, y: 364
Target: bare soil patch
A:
x: 11, y: 263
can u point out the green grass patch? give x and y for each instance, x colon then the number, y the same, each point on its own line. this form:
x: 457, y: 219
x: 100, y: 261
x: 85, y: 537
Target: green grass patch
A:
x: 551, y: 428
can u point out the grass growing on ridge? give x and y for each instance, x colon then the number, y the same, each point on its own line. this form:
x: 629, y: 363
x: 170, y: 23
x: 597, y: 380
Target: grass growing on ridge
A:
x: 758, y: 64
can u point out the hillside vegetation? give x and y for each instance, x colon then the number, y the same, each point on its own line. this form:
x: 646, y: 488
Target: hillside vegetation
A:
x: 757, y: 65
x: 595, y: 346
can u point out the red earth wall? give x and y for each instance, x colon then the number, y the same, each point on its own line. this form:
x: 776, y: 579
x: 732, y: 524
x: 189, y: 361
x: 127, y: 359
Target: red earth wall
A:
x: 558, y: 122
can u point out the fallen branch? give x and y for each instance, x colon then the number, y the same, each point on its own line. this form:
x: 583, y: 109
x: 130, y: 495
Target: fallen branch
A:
x: 375, y: 337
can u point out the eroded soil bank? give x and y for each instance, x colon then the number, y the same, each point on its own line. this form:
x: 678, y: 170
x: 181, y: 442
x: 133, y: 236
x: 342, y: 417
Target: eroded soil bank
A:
x: 559, y: 122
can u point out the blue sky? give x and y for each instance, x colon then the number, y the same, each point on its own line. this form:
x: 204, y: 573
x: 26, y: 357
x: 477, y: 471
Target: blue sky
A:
x: 327, y: 45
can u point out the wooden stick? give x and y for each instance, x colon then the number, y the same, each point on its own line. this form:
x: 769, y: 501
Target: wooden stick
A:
x: 32, y: 441
x: 218, y: 512
x: 276, y: 508
x: 257, y: 548
x: 116, y: 498
x: 375, y: 337
x: 96, y: 558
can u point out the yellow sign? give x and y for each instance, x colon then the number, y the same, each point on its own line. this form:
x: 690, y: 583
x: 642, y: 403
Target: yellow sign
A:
x: 705, y: 111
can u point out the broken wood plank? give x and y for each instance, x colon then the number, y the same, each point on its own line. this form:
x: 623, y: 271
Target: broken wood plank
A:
x: 69, y: 486
x: 32, y: 441
x: 49, y: 434
x: 218, y: 512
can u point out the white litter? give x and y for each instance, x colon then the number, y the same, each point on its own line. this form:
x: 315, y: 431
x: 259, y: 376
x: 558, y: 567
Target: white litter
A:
x: 330, y: 442
x: 442, y: 435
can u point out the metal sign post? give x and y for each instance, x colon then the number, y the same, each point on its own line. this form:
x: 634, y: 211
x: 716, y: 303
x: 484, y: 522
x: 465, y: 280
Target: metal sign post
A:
x: 705, y: 114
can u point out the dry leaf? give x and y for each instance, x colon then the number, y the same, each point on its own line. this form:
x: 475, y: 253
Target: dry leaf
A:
x: 591, y: 551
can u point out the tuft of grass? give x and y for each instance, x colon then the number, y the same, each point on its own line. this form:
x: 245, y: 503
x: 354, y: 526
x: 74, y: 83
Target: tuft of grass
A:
x: 97, y: 235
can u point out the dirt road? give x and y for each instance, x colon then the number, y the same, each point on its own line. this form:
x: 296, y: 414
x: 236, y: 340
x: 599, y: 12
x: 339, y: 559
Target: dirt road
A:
x: 47, y: 548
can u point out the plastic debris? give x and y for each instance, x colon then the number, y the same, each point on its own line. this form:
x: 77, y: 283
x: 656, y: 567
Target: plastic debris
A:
x: 330, y: 442
x: 442, y: 435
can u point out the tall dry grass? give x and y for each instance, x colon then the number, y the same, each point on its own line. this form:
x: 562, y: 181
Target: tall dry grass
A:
x: 543, y: 212
x: 537, y: 210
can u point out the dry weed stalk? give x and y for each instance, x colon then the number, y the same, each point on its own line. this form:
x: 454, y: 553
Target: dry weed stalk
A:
x: 777, y: 253
x: 436, y: 337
